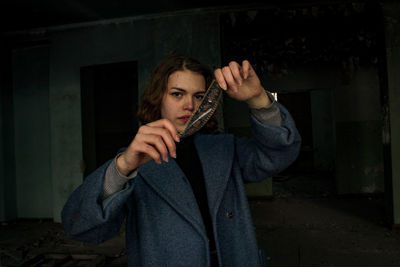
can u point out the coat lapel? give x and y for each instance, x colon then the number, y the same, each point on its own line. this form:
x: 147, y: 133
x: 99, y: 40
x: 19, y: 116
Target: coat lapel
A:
x: 170, y: 183
x: 216, y: 155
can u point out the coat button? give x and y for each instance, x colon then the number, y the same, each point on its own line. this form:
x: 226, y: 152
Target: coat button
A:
x: 229, y: 215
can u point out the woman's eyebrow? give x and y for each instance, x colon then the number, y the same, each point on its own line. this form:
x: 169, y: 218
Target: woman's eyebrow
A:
x: 178, y: 88
x: 201, y: 91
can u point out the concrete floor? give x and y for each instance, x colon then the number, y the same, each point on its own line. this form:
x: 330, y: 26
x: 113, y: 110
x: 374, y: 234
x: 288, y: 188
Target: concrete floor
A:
x: 305, y: 225
x: 324, y: 232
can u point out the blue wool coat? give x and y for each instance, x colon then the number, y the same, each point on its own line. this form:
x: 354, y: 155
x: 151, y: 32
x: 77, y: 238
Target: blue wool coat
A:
x: 164, y: 226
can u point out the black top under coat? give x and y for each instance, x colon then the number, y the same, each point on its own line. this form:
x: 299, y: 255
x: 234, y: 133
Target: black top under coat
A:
x: 189, y: 161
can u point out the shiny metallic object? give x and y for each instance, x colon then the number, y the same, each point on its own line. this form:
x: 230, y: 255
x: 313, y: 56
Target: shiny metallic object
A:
x: 204, y: 112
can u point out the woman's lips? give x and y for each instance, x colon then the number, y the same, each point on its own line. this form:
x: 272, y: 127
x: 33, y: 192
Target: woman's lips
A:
x: 184, y: 119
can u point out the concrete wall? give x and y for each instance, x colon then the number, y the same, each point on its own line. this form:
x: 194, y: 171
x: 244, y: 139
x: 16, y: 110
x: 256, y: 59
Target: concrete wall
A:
x: 323, y: 130
x: 8, y: 209
x: 359, y: 150
x: 32, y: 132
x: 346, y: 122
x: 320, y: 82
x: 392, y: 32
x: 145, y: 41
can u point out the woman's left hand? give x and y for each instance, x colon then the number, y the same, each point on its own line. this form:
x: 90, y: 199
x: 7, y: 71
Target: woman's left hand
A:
x: 242, y: 83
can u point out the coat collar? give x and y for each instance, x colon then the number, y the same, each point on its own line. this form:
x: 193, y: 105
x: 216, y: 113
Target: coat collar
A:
x: 170, y: 183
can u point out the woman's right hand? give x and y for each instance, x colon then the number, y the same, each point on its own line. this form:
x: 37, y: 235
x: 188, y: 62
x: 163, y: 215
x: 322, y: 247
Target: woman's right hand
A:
x: 152, y: 141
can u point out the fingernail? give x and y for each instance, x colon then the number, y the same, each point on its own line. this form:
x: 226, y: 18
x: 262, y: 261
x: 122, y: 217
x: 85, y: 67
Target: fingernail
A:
x: 177, y: 138
x: 174, y: 155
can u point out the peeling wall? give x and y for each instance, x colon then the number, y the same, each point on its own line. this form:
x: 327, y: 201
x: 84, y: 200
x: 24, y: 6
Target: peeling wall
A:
x: 32, y: 132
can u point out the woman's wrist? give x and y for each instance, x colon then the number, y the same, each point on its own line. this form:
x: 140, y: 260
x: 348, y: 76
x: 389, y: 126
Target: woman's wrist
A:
x: 122, y: 167
x: 259, y: 101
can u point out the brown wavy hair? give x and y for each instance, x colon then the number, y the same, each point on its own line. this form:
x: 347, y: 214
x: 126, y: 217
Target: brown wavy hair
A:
x: 150, y: 108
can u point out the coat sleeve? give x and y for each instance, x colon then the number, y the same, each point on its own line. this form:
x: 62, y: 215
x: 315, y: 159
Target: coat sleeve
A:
x: 272, y: 149
x: 86, y: 218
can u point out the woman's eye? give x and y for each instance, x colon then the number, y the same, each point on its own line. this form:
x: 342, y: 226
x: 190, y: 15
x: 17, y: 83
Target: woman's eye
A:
x: 199, y: 97
x: 176, y: 94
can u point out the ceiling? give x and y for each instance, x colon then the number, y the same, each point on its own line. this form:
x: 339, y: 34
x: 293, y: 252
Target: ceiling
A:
x: 17, y: 15
x: 27, y: 14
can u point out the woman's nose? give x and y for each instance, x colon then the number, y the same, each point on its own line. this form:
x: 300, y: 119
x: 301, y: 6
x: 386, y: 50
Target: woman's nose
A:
x: 188, y: 105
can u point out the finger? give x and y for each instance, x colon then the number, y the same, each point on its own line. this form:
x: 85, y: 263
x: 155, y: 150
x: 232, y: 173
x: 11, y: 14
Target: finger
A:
x: 246, y: 67
x: 157, y: 142
x: 170, y: 136
x: 165, y: 135
x: 236, y: 69
x: 220, y: 79
x: 167, y: 124
x: 226, y: 71
x: 149, y: 151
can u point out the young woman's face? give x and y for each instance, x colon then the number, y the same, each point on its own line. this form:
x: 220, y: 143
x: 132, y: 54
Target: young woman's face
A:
x: 185, y: 90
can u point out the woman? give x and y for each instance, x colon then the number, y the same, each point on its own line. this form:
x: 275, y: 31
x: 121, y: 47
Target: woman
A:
x: 184, y: 200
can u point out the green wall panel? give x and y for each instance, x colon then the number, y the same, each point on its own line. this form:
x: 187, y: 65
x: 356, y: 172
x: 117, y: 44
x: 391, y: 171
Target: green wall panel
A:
x: 32, y: 128
x: 8, y: 209
x: 261, y: 189
x: 359, y: 158
x: 358, y: 134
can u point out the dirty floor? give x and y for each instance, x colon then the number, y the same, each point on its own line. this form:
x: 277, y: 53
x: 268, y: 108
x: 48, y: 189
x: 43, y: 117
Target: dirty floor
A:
x: 305, y: 225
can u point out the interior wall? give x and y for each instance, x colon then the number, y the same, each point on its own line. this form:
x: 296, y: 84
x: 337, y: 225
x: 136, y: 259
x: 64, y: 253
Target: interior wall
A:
x: 392, y: 33
x: 2, y: 174
x: 323, y: 130
x: 319, y: 82
x: 145, y: 41
x: 358, y: 124
x: 32, y: 132
x: 8, y: 209
x: 148, y: 40
x: 347, y: 124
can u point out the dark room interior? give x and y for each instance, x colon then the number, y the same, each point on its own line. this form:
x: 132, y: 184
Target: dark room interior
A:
x: 67, y: 66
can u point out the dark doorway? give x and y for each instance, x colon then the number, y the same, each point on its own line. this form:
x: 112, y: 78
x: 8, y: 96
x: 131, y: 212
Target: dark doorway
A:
x: 109, y: 95
x: 299, y: 106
